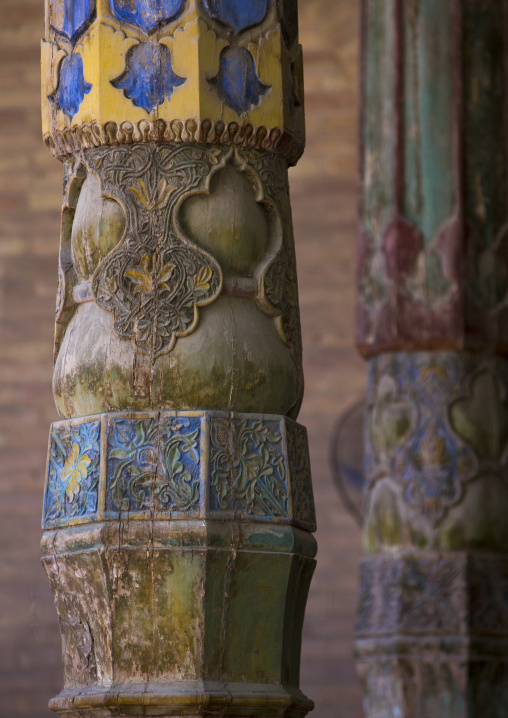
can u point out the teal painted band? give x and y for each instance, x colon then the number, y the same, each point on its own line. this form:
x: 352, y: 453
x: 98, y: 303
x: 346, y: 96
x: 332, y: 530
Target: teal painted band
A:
x: 178, y: 465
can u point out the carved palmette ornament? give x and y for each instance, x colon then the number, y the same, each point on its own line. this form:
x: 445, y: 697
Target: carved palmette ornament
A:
x: 155, y: 279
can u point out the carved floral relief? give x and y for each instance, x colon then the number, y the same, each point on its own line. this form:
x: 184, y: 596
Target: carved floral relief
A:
x: 435, y: 422
x: 185, y: 464
x: 156, y: 279
x: 247, y: 467
x: 247, y: 54
x: 72, y: 485
x: 147, y: 15
x: 153, y: 466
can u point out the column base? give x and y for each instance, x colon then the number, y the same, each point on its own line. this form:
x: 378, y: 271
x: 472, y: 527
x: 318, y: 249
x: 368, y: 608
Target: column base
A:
x: 178, y: 549
x: 183, y: 698
x: 433, y: 635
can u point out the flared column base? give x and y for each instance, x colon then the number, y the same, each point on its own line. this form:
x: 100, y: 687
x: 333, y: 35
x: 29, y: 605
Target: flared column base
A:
x: 433, y: 635
x: 184, y: 698
x: 178, y: 550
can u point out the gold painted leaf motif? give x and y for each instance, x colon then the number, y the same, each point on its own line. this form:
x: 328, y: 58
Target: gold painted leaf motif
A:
x: 151, y: 277
x: 202, y: 279
x: 155, y: 280
x: 74, y: 471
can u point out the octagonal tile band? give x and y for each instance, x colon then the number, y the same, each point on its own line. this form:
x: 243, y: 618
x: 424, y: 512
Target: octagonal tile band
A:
x: 178, y: 465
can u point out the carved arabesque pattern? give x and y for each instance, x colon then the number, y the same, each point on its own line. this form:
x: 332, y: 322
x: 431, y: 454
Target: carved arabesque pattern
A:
x: 435, y: 421
x: 179, y: 465
x: 247, y: 467
x: 155, y: 279
x: 153, y: 465
x: 280, y: 285
x: 302, y: 496
x: 73, y: 471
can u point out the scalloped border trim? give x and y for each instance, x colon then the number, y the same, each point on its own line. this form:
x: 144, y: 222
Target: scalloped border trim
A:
x: 66, y: 142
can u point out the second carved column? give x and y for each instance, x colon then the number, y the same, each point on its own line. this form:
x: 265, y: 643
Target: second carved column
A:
x: 433, y: 323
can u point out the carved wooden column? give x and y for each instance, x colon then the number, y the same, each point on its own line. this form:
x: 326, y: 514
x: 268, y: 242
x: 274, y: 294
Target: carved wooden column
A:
x: 433, y: 323
x: 178, y: 503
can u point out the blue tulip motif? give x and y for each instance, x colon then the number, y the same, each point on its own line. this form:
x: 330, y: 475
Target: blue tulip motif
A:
x: 72, y: 86
x: 71, y: 17
x: 237, y: 15
x: 148, y: 15
x: 237, y: 82
x: 148, y: 78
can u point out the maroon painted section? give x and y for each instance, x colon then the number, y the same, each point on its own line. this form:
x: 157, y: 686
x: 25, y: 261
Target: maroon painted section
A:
x: 404, y: 320
x: 435, y: 292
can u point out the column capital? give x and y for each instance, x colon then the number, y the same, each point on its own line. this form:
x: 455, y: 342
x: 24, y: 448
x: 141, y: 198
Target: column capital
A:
x: 115, y: 72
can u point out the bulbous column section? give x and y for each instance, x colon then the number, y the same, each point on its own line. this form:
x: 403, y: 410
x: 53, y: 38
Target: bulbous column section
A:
x: 178, y: 506
x: 432, y: 322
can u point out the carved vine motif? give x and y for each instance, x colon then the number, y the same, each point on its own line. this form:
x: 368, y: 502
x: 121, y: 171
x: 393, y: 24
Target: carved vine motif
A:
x: 435, y: 422
x: 73, y: 472
x: 247, y: 467
x: 410, y: 437
x: 428, y: 594
x: 155, y: 280
x: 301, y: 480
x: 153, y: 465
x: 194, y: 464
x: 413, y: 594
x: 280, y: 286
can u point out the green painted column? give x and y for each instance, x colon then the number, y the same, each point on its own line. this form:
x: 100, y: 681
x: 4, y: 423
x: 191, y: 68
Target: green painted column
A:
x: 178, y: 509
x: 432, y: 635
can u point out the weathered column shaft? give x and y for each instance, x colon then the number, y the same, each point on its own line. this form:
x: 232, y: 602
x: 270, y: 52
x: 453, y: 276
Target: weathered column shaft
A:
x: 178, y: 503
x: 433, y: 324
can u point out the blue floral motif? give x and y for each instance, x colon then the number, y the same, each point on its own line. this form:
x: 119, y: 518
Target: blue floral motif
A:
x: 153, y: 466
x: 248, y: 468
x: 71, y: 17
x: 194, y: 464
x: 410, y: 437
x: 73, y: 473
x: 72, y: 86
x: 148, y: 78
x: 148, y: 15
x: 237, y: 14
x: 237, y: 82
